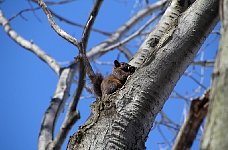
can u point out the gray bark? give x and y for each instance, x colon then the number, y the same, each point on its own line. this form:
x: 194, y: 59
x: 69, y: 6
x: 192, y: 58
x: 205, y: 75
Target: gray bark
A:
x: 215, y: 135
x: 123, y: 119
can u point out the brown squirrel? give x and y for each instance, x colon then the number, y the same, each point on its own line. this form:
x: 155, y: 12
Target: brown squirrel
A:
x: 114, y: 81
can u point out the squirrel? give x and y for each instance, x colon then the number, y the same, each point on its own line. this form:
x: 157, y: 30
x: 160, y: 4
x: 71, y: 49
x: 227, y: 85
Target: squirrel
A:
x: 114, y: 81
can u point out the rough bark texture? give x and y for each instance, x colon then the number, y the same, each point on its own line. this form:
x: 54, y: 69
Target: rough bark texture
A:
x: 189, y: 129
x: 215, y: 132
x: 123, y: 119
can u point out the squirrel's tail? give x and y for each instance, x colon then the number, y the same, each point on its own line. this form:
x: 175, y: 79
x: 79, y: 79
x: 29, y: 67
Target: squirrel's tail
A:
x: 96, y: 81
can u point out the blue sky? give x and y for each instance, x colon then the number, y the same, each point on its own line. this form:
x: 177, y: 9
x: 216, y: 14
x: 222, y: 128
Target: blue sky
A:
x: 28, y: 84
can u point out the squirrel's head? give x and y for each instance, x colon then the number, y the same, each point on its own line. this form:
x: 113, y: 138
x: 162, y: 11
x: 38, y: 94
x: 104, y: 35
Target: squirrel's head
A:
x: 124, y: 66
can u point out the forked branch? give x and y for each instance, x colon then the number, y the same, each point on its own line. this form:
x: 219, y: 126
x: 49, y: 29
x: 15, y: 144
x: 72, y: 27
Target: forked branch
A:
x: 57, y: 29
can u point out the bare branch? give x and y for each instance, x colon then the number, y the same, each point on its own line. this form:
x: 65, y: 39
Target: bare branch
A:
x: 85, y: 37
x: 72, y: 115
x: 132, y: 36
x: 78, y: 25
x: 195, y: 80
x: 55, y: 3
x: 90, y: 21
x: 96, y: 51
x: 189, y: 129
x: 60, y: 18
x: 81, y: 83
x: 22, y: 11
x: 206, y: 63
x: 163, y: 136
x: 126, y: 52
x: 57, y: 29
x: 57, y: 104
x: 52, y: 63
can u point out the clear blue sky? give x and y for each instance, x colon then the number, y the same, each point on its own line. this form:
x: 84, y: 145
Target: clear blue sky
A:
x: 27, y: 84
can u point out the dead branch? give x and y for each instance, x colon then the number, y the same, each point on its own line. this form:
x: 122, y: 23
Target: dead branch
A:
x: 189, y: 129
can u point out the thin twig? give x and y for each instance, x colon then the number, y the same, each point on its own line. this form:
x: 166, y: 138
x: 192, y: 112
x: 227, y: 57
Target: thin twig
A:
x: 163, y: 136
x: 206, y: 63
x: 60, y: 18
x: 126, y: 52
x: 78, y: 25
x: 195, y: 80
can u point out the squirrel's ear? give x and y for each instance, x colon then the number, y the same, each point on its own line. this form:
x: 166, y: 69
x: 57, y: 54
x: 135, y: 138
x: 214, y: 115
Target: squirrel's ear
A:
x: 132, y: 69
x: 116, y: 63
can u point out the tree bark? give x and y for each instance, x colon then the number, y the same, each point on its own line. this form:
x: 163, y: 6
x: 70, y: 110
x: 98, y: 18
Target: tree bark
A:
x: 190, y: 127
x: 215, y: 135
x: 122, y: 120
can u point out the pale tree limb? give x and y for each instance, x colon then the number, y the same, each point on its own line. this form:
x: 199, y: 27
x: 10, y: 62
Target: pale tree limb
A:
x: 158, y: 35
x: 97, y: 50
x: 196, y: 115
x: 57, y: 104
x: 133, y: 35
x: 56, y: 28
x: 30, y: 46
x: 72, y: 115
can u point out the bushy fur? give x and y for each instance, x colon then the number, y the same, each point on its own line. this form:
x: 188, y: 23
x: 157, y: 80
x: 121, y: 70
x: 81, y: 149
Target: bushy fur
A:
x: 114, y: 81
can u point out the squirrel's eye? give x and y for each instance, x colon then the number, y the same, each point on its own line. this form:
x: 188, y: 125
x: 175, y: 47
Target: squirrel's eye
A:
x: 125, y: 68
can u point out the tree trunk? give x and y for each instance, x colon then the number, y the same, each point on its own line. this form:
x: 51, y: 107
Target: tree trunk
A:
x: 215, y: 135
x: 122, y: 120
